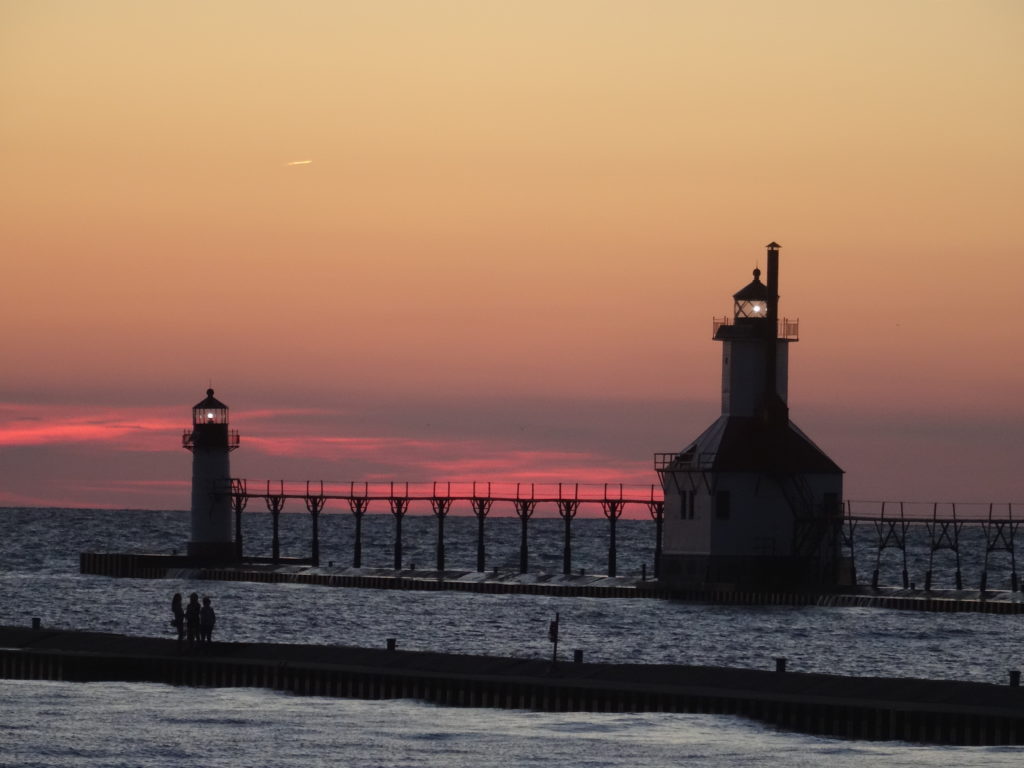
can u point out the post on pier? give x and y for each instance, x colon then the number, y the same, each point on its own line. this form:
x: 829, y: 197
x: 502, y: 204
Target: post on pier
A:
x: 315, y: 505
x: 239, y: 499
x: 525, y: 508
x: 481, y: 506
x: 275, y: 503
x: 657, y: 510
x: 441, y: 505
x: 358, y: 505
x: 612, y: 508
x: 399, y: 506
x: 567, y: 509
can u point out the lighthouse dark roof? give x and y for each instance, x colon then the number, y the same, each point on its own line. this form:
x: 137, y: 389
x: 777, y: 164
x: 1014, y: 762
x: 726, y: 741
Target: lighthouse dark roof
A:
x: 747, y: 444
x: 210, y: 402
x: 753, y: 291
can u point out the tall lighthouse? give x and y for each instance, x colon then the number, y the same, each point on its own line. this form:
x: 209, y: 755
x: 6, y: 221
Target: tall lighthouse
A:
x: 752, y: 502
x: 211, y: 442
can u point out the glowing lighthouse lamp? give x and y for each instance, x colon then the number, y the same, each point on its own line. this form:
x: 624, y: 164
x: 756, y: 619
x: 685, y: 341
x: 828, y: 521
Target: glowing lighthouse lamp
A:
x: 210, y: 442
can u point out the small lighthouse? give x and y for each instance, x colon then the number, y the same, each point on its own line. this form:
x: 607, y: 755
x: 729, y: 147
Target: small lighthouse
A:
x: 211, y: 442
x: 752, y: 502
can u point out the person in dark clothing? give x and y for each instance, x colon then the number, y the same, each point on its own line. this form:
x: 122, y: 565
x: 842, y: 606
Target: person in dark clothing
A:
x: 192, y: 618
x: 207, y: 618
x: 178, y: 612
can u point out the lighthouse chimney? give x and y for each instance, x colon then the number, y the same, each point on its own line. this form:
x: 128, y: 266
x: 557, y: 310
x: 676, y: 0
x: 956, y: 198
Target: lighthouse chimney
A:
x: 210, y: 442
x: 774, y: 409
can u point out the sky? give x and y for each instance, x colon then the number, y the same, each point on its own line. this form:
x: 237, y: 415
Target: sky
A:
x: 486, y: 240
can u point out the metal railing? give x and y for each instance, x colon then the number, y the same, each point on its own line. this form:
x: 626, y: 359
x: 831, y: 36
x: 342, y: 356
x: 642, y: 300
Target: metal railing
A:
x: 787, y: 329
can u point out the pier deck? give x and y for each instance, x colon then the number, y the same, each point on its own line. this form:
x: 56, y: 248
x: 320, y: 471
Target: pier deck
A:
x: 931, y: 711
x: 300, y: 571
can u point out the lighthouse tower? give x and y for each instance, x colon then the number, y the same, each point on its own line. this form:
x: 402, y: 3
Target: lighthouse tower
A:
x: 210, y: 442
x: 752, y: 502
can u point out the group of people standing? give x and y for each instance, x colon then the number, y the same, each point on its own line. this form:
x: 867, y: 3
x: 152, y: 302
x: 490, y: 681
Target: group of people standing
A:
x: 193, y: 622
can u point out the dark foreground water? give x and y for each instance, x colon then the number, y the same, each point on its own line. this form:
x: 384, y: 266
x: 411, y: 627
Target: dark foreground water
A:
x: 113, y: 724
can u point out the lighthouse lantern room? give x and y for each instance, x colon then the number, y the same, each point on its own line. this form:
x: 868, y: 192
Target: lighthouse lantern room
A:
x: 211, y: 441
x: 752, y: 502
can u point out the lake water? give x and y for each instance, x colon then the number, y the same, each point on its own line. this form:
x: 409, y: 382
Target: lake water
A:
x: 113, y: 724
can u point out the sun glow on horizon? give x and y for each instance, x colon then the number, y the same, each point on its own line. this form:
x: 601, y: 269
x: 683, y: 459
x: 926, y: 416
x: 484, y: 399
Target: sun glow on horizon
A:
x: 530, y: 219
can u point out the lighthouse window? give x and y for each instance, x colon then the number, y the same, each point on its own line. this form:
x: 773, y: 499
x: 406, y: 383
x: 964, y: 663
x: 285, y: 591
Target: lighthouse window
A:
x: 722, y: 505
x: 686, y: 505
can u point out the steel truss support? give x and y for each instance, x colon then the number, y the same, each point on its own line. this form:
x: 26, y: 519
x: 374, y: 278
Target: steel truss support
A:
x: 567, y: 509
x: 481, y: 506
x: 399, y: 506
x: 847, y: 535
x: 275, y: 503
x: 943, y: 534
x: 612, y: 508
x: 441, y: 506
x: 999, y: 537
x: 525, y: 508
x: 657, y: 510
x: 891, y: 533
x: 358, y: 505
x: 315, y: 505
x: 239, y: 500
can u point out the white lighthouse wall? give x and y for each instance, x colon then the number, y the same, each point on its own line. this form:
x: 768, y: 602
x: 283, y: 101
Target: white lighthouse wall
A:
x: 211, y: 511
x: 759, y: 520
x: 743, y: 365
x: 683, y: 533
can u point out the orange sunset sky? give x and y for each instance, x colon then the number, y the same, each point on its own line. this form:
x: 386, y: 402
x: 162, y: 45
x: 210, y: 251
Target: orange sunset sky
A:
x: 504, y: 257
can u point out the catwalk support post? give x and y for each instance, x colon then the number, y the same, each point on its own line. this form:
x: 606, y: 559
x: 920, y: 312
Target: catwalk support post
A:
x: 399, y: 506
x: 567, y: 509
x: 525, y: 508
x: 315, y: 505
x: 612, y: 508
x: 275, y: 503
x: 481, y: 506
x: 440, y: 506
x: 239, y: 500
x: 358, y: 505
x: 657, y: 510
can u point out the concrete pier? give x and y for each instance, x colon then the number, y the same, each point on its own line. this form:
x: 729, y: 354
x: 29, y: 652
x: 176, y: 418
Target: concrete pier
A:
x: 301, y: 571
x: 939, y: 712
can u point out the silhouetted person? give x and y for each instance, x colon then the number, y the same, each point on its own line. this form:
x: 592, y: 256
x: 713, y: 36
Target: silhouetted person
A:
x: 192, y: 618
x: 207, y: 618
x: 179, y: 616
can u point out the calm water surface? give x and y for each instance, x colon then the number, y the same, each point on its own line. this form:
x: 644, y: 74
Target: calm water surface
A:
x: 113, y: 724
